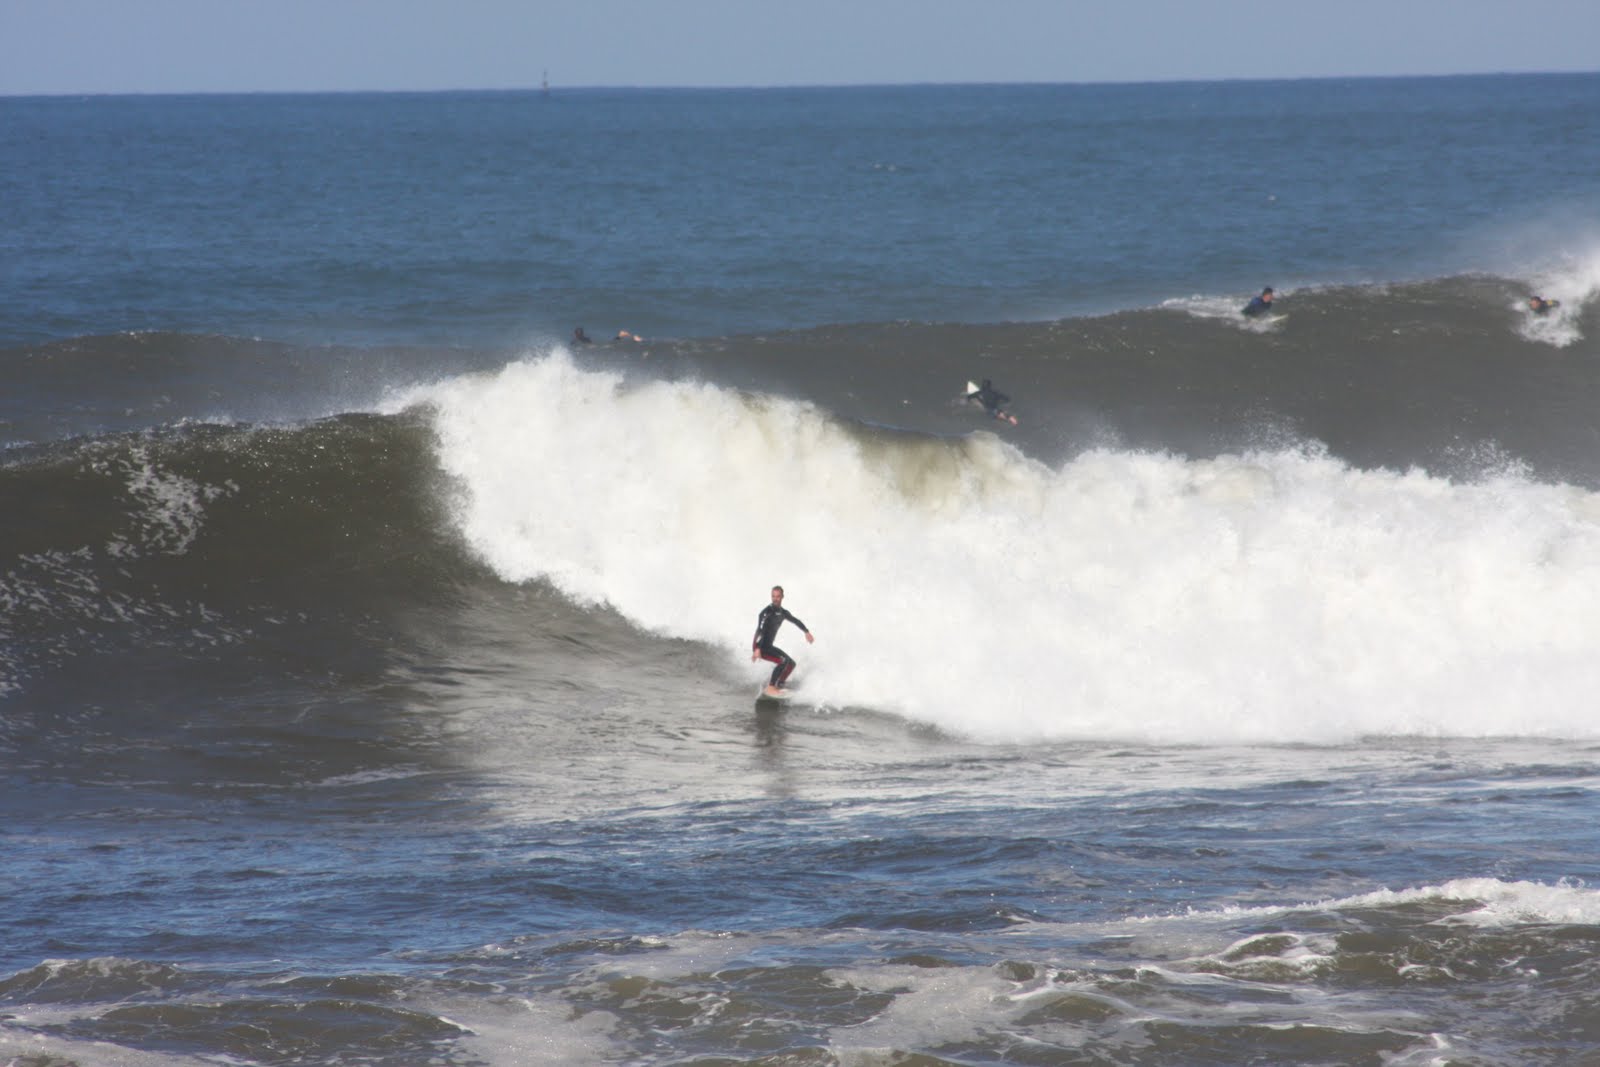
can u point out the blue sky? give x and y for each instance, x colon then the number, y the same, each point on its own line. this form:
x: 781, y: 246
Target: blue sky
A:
x: 140, y: 46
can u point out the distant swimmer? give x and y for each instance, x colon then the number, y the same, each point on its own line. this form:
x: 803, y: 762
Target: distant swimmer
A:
x: 773, y: 616
x: 1539, y: 305
x: 582, y: 338
x: 624, y: 335
x: 1259, y: 305
x: 991, y: 400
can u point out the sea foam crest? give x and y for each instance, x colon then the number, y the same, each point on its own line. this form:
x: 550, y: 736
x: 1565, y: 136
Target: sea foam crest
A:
x: 1557, y: 253
x: 1574, y: 283
x: 1480, y: 902
x: 1275, y: 596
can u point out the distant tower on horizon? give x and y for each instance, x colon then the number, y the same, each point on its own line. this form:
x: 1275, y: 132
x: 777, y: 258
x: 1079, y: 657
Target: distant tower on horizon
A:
x: 544, y: 86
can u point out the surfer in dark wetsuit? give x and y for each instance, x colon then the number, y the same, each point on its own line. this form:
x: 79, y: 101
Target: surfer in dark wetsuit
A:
x: 582, y: 338
x: 1539, y: 305
x: 1259, y: 305
x: 773, y: 616
x: 991, y: 400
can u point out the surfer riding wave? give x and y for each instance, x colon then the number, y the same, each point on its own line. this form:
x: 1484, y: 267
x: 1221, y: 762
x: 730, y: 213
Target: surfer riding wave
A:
x: 992, y: 401
x: 771, y: 618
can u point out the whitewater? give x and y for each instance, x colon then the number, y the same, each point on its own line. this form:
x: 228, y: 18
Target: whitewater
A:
x: 1276, y: 596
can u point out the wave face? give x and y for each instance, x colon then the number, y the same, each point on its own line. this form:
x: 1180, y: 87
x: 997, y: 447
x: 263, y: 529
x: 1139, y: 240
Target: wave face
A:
x: 174, y: 601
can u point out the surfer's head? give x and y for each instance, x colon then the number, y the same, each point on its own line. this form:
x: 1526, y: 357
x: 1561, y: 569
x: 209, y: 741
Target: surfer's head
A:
x: 777, y: 594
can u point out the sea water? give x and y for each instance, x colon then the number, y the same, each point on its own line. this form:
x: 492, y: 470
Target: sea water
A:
x: 374, y: 670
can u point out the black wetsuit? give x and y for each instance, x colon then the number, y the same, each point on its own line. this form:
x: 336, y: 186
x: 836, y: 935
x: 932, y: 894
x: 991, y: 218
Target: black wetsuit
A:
x: 991, y: 399
x: 1259, y: 305
x: 773, y: 616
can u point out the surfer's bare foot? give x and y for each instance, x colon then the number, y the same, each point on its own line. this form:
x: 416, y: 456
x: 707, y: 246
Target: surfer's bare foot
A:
x: 773, y: 691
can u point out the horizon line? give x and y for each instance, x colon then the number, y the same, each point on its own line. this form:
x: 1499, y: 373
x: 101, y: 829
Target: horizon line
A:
x: 545, y: 88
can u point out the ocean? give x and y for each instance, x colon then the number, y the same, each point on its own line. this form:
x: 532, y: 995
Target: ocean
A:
x: 375, y: 683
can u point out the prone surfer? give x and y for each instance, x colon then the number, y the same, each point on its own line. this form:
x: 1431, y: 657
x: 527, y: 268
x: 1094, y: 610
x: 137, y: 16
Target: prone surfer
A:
x: 1259, y: 305
x: 1539, y: 305
x: 582, y: 338
x: 992, y: 400
x: 773, y: 616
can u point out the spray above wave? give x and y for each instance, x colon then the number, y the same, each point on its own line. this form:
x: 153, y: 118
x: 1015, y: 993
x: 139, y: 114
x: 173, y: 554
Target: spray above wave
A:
x: 1273, y: 596
x: 1573, y: 283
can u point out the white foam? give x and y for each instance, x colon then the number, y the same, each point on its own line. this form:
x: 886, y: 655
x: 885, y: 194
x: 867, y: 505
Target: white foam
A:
x: 1226, y: 309
x: 1491, y: 902
x: 1484, y: 902
x: 21, y: 1046
x: 1573, y: 281
x: 171, y: 511
x: 1557, y: 252
x: 1278, y: 596
x: 524, y: 1031
x: 931, y: 1008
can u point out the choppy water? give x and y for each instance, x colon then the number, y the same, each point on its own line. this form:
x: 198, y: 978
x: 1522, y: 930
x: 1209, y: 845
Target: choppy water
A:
x: 374, y: 683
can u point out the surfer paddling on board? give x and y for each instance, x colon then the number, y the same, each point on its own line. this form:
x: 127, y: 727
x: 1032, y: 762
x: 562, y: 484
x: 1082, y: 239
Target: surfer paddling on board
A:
x: 1259, y: 305
x: 1539, y: 305
x: 773, y: 616
x: 991, y: 400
